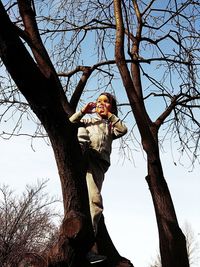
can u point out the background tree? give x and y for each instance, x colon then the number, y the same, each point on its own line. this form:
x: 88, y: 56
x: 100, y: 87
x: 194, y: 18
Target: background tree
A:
x: 156, y: 50
x: 27, y: 225
x: 172, y: 241
x: 192, y: 245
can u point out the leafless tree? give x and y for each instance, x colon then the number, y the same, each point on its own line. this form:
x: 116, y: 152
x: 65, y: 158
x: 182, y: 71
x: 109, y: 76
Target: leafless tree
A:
x: 152, y: 47
x: 181, y: 102
x: 193, y: 246
x: 27, y: 224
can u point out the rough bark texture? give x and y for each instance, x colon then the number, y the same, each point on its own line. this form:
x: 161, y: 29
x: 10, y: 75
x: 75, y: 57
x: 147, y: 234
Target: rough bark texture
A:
x: 172, y: 240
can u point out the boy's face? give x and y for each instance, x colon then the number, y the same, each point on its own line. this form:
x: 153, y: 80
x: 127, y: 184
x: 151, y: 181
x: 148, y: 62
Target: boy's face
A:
x: 103, y: 106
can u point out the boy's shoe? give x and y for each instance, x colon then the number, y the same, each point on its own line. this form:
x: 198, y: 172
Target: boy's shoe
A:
x: 95, y: 258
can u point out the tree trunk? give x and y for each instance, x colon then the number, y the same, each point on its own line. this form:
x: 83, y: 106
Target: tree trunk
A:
x: 43, y: 95
x: 172, y: 241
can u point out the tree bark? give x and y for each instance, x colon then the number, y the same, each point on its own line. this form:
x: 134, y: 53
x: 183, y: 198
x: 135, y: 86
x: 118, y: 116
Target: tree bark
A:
x: 172, y: 241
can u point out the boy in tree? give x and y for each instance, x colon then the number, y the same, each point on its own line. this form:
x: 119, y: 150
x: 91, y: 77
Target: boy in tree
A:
x: 95, y: 136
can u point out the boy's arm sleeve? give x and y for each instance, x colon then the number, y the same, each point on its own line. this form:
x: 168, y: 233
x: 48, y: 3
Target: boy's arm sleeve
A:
x: 118, y: 127
x: 76, y: 117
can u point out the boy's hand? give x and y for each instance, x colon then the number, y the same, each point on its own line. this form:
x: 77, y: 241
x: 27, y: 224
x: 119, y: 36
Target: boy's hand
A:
x: 89, y: 108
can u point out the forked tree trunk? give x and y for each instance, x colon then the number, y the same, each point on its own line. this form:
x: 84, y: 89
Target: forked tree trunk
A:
x: 42, y: 92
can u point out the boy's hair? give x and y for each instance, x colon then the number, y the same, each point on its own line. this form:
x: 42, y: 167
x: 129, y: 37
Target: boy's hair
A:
x: 112, y: 101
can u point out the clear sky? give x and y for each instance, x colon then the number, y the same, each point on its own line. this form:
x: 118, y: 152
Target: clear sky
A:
x: 128, y: 208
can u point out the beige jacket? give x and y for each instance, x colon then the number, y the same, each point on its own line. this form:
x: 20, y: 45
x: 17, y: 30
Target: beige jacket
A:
x: 99, y: 133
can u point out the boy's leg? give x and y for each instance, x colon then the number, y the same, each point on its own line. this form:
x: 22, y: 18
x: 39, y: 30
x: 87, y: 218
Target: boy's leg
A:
x: 95, y: 200
x: 95, y: 178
